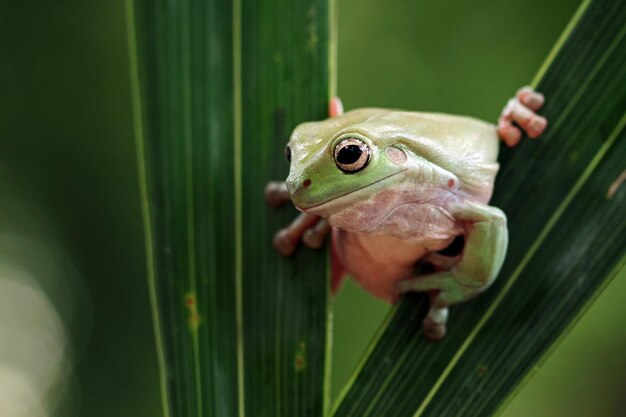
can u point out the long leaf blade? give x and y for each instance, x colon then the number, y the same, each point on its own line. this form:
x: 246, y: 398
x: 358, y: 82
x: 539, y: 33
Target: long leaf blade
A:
x: 180, y: 198
x: 546, y: 189
x: 218, y: 86
x: 284, y: 81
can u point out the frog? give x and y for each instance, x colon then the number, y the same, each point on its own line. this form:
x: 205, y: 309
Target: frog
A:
x: 394, y: 189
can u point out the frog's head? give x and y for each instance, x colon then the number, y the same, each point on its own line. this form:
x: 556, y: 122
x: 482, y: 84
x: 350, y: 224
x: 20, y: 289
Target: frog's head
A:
x: 338, y: 161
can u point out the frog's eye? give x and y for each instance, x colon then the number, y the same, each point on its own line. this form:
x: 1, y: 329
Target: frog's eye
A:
x: 351, y: 155
x: 288, y: 153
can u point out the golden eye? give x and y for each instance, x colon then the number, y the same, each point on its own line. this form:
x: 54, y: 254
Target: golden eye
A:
x: 352, y: 155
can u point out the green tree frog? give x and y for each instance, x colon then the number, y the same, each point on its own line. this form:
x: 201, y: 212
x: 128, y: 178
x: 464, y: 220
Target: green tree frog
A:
x: 396, y: 187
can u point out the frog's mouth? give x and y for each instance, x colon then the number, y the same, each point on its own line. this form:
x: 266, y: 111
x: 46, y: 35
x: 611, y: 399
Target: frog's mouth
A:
x: 316, y: 208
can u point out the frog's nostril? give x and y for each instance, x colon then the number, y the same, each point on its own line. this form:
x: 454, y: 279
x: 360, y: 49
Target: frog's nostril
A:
x: 306, y: 183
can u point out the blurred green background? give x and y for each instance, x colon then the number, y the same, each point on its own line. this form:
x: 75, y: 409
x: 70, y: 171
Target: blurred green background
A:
x: 70, y: 227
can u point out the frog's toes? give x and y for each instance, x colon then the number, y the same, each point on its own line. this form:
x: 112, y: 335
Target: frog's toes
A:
x: 521, y: 111
x: 406, y: 286
x: 510, y: 134
x: 530, y: 98
x: 286, y: 240
x: 432, y: 330
x: 335, y: 107
x: 276, y: 194
x: 284, y: 243
x: 423, y: 283
x: 441, y: 262
x: 315, y: 236
x: 434, y: 324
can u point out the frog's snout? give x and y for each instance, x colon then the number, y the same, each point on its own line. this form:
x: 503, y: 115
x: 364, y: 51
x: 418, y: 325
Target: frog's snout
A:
x: 298, y: 187
x: 295, y: 185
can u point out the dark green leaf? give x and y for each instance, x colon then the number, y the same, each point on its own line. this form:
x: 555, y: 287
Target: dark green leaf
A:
x: 218, y: 87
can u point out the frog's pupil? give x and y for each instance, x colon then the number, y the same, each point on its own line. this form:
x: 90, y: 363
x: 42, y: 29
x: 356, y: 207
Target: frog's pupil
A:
x: 349, y: 154
x: 288, y: 153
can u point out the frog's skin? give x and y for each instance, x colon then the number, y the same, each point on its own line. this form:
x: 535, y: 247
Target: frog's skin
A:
x: 395, y: 187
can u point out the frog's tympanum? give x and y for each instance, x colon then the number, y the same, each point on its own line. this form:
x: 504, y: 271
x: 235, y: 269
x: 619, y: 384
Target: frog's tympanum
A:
x: 395, y: 188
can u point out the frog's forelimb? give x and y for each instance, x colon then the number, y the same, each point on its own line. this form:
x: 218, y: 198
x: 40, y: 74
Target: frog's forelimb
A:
x: 309, y: 228
x: 486, y: 240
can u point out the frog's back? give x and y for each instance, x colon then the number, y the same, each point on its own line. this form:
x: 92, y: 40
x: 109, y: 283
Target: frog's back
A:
x: 465, y: 146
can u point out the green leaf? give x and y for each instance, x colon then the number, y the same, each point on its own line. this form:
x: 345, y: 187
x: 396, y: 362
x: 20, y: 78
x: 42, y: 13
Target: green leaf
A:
x: 218, y: 87
x: 567, y: 241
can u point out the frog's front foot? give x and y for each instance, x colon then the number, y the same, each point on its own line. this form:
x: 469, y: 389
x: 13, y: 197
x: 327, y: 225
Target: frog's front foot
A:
x: 521, y: 111
x: 309, y: 228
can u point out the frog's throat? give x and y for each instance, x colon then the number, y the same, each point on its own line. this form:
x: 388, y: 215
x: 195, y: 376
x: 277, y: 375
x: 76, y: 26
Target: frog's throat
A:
x: 322, y: 205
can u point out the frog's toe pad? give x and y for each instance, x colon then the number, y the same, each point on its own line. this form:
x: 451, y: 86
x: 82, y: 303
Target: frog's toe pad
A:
x: 530, y: 98
x: 335, y: 107
x: 432, y: 330
x: 536, y: 126
x: 276, y: 194
x: 312, y: 239
x: 521, y: 111
x: 284, y: 243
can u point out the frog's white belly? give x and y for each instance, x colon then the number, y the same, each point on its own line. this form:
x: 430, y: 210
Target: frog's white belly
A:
x: 377, y: 261
x: 385, y: 251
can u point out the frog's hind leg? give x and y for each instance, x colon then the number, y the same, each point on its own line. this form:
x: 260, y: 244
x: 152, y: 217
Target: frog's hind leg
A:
x: 444, y: 291
x: 434, y: 324
x: 441, y: 262
x: 485, y: 246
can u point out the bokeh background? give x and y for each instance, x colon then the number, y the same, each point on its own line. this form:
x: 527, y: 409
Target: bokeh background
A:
x: 75, y: 328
